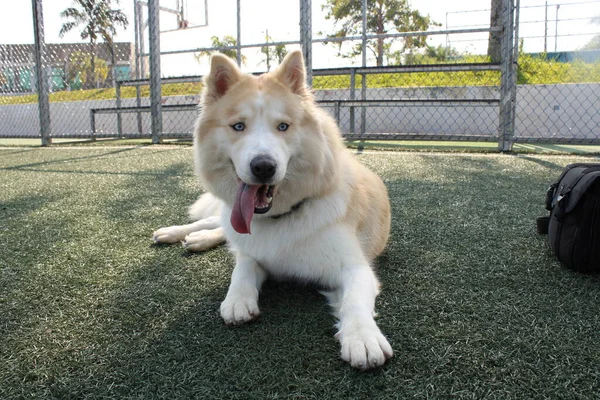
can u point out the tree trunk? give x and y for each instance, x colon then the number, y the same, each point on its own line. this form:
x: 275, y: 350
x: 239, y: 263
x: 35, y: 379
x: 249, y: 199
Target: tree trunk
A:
x: 495, y: 39
x: 94, y: 80
x: 379, y: 52
x: 380, y: 31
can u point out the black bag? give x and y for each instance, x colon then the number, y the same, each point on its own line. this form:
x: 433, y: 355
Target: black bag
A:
x: 573, y: 226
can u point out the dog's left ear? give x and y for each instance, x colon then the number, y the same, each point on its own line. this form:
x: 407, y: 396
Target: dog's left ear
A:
x: 292, y: 72
x: 224, y: 73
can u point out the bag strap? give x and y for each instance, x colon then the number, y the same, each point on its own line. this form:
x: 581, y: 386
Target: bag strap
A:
x: 565, y: 192
x: 542, y: 225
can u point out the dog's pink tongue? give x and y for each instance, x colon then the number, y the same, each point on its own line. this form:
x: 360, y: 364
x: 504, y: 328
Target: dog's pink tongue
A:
x: 243, y: 208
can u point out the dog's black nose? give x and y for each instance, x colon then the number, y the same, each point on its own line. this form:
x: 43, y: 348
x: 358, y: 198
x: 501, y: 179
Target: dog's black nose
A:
x: 263, y: 167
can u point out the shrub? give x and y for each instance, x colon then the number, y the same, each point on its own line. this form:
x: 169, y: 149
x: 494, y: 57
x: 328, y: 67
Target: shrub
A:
x: 531, y: 70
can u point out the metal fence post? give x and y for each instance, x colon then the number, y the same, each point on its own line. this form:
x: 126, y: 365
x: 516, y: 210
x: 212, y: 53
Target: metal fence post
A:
x: 139, y: 37
x: 508, y: 80
x: 93, y: 123
x: 306, y: 37
x: 238, y: 40
x: 155, y: 82
x: 352, y: 97
x: 118, y: 105
x: 41, y: 73
x: 363, y: 96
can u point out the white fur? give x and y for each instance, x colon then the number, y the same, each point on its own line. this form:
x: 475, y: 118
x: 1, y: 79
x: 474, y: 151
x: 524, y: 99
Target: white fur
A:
x: 202, y: 234
x: 325, y: 241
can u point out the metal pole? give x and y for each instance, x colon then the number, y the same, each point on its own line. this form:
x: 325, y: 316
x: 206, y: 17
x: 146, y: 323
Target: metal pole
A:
x: 508, y: 80
x: 556, y: 30
x: 119, y: 104
x: 138, y: 65
x: 239, y: 34
x: 268, y: 50
x: 155, y: 83
x: 447, y: 36
x: 306, y: 37
x: 93, y: 123
x: 363, y: 110
x: 514, y: 65
x: 352, y: 97
x: 117, y: 87
x: 142, y: 42
x: 546, y: 28
x: 41, y: 73
x: 205, y: 12
x: 364, y: 33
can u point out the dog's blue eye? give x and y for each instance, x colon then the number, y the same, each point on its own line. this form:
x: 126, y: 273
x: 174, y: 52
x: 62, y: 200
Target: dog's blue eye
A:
x: 239, y: 126
x: 283, y: 127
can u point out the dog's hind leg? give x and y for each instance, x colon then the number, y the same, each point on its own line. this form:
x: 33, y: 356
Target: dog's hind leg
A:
x: 204, y: 239
x: 206, y: 214
x: 206, y: 206
x: 178, y: 233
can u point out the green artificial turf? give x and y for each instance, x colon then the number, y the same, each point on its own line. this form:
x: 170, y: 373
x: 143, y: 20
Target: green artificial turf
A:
x: 472, y: 301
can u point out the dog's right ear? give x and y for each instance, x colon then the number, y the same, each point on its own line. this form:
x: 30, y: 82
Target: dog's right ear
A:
x: 223, y: 74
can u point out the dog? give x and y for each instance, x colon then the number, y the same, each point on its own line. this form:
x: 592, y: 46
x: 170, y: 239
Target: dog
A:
x: 289, y: 199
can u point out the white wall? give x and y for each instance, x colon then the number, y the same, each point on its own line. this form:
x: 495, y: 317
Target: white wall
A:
x: 543, y: 111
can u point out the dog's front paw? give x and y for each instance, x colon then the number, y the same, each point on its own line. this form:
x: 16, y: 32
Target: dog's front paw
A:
x: 239, y: 309
x: 364, y: 347
x: 170, y: 234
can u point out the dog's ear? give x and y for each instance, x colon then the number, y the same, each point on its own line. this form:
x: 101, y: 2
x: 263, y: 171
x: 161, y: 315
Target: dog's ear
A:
x: 223, y: 74
x: 292, y: 72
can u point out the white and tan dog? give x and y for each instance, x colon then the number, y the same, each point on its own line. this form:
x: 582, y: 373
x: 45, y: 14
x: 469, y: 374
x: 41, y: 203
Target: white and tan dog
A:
x: 290, y: 200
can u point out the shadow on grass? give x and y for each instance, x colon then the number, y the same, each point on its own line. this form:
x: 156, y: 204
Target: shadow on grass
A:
x: 30, y: 237
x: 22, y: 205
x: 544, y: 163
x: 13, y: 152
x: 62, y: 257
x: 192, y: 353
x: 67, y: 160
x: 41, y: 166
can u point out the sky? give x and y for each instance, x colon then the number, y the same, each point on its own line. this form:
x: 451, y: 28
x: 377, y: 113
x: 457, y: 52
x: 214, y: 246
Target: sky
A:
x: 280, y: 18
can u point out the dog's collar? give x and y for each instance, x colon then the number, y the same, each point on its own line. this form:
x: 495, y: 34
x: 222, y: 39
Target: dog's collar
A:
x: 295, y: 207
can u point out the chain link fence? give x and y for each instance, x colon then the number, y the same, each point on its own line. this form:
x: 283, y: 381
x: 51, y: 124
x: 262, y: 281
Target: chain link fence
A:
x: 426, y: 85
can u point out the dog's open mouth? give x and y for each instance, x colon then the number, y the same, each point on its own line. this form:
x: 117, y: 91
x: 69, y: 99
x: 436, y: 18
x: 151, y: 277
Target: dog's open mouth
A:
x: 250, y: 200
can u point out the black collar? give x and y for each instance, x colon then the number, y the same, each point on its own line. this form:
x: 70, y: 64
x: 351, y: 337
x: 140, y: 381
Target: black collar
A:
x: 295, y: 207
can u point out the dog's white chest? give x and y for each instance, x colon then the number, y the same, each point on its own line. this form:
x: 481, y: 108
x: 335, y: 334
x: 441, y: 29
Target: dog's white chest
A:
x: 286, y: 251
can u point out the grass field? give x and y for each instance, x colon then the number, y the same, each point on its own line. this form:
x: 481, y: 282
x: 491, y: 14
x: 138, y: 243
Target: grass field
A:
x: 473, y: 303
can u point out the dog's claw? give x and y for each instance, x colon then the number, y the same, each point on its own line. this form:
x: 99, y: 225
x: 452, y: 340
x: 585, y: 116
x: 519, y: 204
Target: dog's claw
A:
x: 172, y: 234
x: 365, y: 349
x: 239, y: 310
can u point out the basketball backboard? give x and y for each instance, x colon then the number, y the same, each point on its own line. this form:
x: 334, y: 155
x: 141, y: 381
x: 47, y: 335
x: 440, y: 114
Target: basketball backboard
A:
x: 183, y: 14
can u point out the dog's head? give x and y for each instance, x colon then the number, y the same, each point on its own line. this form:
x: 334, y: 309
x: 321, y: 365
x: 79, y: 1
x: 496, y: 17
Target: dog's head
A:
x: 260, y: 145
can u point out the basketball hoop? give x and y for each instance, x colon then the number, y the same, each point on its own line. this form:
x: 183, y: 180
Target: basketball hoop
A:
x: 178, y: 15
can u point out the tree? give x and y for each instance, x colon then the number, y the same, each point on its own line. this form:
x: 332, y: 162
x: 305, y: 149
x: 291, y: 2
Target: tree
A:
x: 495, y: 38
x: 278, y: 53
x: 594, y: 43
x: 227, y: 41
x: 98, y: 20
x: 3, y: 80
x: 431, y: 55
x: 383, y: 16
x: 79, y: 68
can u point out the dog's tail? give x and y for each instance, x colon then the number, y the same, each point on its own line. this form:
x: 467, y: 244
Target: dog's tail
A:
x: 206, y: 206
